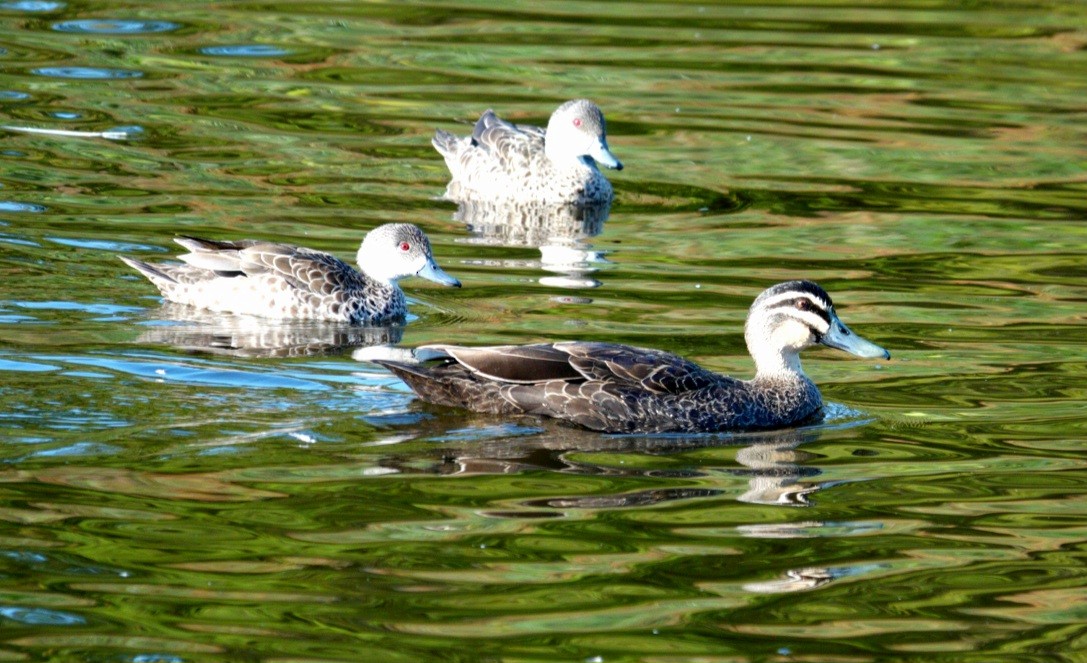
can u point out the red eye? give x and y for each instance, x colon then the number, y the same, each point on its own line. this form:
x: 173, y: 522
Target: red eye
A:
x: 803, y: 305
x: 577, y: 121
x: 404, y: 246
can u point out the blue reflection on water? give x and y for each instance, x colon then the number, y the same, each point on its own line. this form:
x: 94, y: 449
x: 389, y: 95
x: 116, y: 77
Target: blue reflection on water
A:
x: 488, y: 432
x: 14, y: 206
x: 93, y: 73
x: 25, y: 556
x: 40, y: 616
x: 194, y: 373
x: 114, y: 26
x: 245, y: 50
x: 8, y: 239
x: 25, y: 366
x: 32, y: 5
x: 97, y: 309
x: 100, y: 244
x: 77, y: 449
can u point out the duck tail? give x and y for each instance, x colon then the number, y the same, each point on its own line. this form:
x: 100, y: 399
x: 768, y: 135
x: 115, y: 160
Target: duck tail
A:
x: 411, y: 374
x: 153, y: 272
x: 424, y: 382
x: 445, y: 143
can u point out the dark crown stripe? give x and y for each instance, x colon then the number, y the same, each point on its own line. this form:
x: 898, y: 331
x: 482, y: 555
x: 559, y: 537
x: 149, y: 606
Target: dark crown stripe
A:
x: 802, y: 286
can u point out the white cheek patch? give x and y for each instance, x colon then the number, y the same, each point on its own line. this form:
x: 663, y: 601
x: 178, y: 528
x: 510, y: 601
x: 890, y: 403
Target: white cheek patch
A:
x: 792, y: 333
x: 383, y: 266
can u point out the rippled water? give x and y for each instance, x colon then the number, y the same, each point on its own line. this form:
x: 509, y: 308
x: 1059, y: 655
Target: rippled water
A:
x: 188, y: 488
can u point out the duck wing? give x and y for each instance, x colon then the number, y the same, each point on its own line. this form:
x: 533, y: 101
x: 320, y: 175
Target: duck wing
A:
x: 519, y: 364
x: 305, y: 269
x: 578, y: 362
x: 643, y: 368
x: 505, y: 141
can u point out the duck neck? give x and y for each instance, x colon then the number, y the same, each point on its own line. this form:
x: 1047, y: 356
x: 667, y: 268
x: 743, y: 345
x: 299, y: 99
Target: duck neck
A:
x: 775, y: 351
x: 777, y: 364
x: 563, y: 161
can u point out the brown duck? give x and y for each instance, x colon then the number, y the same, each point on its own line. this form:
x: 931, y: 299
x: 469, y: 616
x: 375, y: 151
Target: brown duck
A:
x: 622, y: 389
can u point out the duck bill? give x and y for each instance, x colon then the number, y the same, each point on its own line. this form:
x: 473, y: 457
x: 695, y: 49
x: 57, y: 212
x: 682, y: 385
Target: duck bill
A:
x: 841, y: 338
x: 432, y: 272
x: 603, y: 156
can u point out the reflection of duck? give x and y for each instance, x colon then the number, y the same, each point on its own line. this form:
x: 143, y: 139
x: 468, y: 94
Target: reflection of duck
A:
x: 193, y: 329
x: 528, y: 224
x: 294, y: 283
x: 621, y: 389
x: 502, y: 161
x: 795, y: 580
x: 559, y: 231
x: 773, y: 467
x: 776, y: 470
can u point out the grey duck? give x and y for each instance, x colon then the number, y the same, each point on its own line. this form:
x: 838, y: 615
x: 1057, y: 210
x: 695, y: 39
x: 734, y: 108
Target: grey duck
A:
x: 506, y: 162
x: 621, y: 389
x: 294, y: 283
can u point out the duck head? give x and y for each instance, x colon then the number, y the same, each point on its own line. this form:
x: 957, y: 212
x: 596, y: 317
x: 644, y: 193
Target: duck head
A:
x: 577, y: 131
x: 395, y: 250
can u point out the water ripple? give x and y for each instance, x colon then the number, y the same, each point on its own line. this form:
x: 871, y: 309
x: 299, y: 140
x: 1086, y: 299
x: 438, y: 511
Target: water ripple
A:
x: 933, y: 185
x: 114, y: 26
x: 96, y: 309
x: 13, y: 206
x: 91, y: 73
x: 116, y: 133
x: 246, y: 51
x: 196, y: 374
x: 40, y: 616
x: 99, y: 244
x: 25, y: 366
x: 78, y: 449
x: 32, y: 6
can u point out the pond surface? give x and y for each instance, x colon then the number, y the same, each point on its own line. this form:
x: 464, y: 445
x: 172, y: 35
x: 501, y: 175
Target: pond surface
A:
x: 184, y: 488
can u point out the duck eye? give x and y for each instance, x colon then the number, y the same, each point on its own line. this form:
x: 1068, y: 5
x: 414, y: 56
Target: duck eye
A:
x: 802, y: 305
x: 405, y: 247
x: 577, y: 121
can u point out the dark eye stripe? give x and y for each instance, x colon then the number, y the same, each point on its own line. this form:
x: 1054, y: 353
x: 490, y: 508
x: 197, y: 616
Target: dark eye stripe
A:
x: 815, y: 307
x: 822, y: 313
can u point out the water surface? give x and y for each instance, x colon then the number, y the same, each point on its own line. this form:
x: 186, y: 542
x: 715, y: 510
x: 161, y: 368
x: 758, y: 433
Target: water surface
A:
x: 190, y: 489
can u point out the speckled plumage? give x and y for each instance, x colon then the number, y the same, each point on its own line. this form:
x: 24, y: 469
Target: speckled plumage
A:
x: 502, y: 161
x: 295, y: 283
x: 622, y: 389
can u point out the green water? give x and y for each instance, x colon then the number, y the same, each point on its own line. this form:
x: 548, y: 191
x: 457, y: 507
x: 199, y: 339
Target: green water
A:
x: 165, y: 499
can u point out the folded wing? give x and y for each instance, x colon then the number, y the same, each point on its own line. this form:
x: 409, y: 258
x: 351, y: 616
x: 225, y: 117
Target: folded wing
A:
x: 579, y: 362
x: 303, y: 268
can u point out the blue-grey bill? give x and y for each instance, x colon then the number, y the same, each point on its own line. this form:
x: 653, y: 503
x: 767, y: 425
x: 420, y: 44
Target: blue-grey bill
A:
x: 604, y: 157
x: 840, y: 337
x: 432, y: 272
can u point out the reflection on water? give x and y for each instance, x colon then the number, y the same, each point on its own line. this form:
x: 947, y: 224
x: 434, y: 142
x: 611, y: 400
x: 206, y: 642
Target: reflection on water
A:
x: 114, y: 26
x: 192, y: 329
x: 206, y: 489
x: 560, y: 232
x: 777, y: 472
x: 86, y: 72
